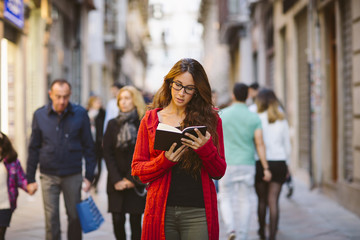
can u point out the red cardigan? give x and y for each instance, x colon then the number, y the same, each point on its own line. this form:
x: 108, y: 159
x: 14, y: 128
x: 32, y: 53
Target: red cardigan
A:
x: 152, y: 167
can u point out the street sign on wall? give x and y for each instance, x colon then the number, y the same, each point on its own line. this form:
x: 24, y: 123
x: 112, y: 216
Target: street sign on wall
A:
x: 14, y: 12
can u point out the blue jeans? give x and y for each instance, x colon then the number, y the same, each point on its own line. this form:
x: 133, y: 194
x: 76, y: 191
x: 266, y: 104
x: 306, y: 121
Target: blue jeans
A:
x: 185, y: 223
x: 51, y: 187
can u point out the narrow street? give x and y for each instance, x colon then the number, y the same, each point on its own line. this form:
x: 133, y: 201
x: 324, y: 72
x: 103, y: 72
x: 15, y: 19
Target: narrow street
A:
x: 305, y: 52
x: 307, y: 215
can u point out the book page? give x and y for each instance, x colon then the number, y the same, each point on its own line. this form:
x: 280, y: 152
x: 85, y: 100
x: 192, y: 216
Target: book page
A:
x: 193, y: 127
x: 166, y: 127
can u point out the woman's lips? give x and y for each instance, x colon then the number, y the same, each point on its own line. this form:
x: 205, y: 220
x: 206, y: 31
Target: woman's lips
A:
x: 180, y: 100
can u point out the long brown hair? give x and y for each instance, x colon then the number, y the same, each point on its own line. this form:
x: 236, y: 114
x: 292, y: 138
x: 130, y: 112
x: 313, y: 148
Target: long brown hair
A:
x: 199, y: 111
x: 267, y: 100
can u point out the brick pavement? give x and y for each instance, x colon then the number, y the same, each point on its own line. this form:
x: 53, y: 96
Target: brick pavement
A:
x: 308, y: 215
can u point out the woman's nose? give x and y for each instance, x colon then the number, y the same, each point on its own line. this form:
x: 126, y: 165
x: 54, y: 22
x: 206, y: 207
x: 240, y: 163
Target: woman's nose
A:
x: 182, y: 91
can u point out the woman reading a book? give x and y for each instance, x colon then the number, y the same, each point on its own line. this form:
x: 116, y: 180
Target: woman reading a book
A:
x: 119, y: 143
x: 181, y: 201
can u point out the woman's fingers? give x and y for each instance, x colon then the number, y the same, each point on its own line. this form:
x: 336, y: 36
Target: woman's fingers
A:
x: 200, y: 135
x: 196, y: 142
x: 174, y: 156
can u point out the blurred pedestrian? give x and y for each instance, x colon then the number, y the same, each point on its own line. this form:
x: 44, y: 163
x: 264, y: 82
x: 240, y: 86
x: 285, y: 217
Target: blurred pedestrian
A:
x: 277, y: 143
x: 242, y: 135
x: 214, y: 97
x: 147, y: 97
x: 119, y: 143
x: 253, y: 92
x: 97, y: 116
x: 60, y: 137
x: 12, y: 177
x: 181, y: 201
x: 112, y: 109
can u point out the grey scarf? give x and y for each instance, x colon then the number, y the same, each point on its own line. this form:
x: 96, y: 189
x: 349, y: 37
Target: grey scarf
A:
x: 127, y: 134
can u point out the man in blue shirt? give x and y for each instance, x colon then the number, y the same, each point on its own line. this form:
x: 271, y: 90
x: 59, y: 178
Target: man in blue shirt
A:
x: 60, y: 137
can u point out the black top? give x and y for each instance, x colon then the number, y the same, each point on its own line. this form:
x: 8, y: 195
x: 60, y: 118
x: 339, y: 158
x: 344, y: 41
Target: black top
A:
x: 185, y: 189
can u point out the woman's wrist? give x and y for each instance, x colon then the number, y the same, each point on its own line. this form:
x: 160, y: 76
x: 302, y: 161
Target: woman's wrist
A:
x: 266, y: 169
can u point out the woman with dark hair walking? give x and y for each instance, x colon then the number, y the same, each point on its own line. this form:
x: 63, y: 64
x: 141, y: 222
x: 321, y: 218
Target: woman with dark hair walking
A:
x: 181, y: 201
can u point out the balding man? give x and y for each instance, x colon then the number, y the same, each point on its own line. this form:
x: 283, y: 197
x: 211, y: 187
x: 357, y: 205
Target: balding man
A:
x: 60, y: 138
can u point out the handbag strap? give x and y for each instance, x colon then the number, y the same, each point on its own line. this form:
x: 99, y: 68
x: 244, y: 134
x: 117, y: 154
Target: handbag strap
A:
x: 141, y: 194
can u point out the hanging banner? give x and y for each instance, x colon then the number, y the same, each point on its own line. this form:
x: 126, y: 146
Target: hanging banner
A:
x: 14, y: 12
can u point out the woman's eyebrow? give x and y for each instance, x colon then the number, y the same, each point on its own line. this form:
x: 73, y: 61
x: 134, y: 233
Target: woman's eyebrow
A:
x: 178, y: 81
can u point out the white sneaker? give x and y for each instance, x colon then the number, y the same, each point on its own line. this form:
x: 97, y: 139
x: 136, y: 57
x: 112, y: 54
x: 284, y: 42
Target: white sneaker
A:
x: 231, y: 236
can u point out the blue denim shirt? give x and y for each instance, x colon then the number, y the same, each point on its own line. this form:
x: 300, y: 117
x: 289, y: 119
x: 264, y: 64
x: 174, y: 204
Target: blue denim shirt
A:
x: 58, y: 143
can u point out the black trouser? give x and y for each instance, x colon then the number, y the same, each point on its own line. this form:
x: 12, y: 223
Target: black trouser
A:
x: 119, y: 226
x: 98, y: 173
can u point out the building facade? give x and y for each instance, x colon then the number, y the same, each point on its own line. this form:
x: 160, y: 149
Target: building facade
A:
x: 174, y: 34
x: 117, y: 32
x: 308, y: 51
x: 216, y: 54
x: 317, y: 40
x: 40, y: 41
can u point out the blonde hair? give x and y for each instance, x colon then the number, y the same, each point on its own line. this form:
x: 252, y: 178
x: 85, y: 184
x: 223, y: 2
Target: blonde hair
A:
x: 137, y: 98
x: 267, y: 100
x: 91, y: 101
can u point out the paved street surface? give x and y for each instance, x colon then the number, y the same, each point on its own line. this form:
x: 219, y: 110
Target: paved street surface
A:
x: 308, y: 215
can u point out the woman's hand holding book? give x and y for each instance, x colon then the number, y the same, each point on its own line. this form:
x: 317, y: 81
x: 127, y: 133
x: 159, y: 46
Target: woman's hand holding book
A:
x: 196, y: 142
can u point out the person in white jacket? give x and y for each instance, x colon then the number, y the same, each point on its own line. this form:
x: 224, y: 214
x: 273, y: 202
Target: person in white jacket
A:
x: 277, y: 143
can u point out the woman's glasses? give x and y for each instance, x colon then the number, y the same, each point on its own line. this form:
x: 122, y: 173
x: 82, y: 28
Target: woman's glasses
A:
x: 178, y: 86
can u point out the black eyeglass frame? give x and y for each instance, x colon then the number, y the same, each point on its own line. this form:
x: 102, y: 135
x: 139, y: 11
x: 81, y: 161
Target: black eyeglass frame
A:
x: 186, y: 88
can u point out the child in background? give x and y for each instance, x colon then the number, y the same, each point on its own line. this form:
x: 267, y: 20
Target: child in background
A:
x: 11, y: 177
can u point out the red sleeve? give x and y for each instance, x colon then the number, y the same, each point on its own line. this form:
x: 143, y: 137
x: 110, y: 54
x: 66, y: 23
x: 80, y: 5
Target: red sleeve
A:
x: 214, y: 157
x: 148, y: 164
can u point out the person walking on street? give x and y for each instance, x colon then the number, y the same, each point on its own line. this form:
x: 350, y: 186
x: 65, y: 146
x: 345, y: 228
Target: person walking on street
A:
x: 60, y: 137
x: 181, y: 201
x: 119, y: 143
x: 97, y: 116
x: 251, y: 98
x: 253, y: 92
x: 112, y: 109
x: 242, y: 135
x: 12, y: 177
x: 277, y: 144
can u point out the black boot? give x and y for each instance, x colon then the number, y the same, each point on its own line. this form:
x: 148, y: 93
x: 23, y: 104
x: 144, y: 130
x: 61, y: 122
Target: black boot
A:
x: 261, y: 233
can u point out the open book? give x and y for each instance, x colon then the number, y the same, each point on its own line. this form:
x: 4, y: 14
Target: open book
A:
x: 166, y: 135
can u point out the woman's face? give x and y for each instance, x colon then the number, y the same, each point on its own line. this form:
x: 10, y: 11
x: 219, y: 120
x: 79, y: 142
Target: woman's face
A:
x: 182, y: 89
x: 126, y: 103
x: 97, y: 103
